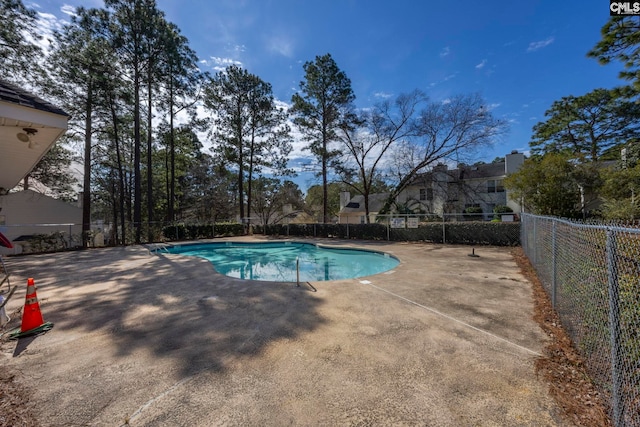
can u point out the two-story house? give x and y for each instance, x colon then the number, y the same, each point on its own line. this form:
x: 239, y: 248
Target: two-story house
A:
x: 443, y: 190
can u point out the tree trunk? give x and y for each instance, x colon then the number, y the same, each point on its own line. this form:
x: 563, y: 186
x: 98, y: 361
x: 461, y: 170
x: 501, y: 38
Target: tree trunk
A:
x: 114, y: 232
x: 366, y: 208
x: 325, y: 184
x: 121, y: 182
x: 386, y: 208
x: 172, y: 154
x: 149, y: 157
x: 241, y: 190
x: 240, y: 168
x: 86, y: 185
x: 250, y: 180
x: 137, y: 182
x: 325, y: 192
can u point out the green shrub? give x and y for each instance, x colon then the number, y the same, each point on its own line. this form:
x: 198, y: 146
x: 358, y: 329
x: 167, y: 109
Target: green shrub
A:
x: 472, y: 233
x: 472, y: 213
x: 202, y: 231
x: 51, y: 242
x: 499, y: 210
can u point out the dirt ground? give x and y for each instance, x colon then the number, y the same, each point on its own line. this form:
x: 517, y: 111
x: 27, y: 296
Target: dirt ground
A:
x: 353, y: 343
x: 562, y: 367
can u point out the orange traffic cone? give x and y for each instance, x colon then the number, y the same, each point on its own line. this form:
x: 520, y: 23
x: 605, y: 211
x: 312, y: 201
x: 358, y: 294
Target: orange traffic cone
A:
x: 32, y: 321
x: 31, y: 316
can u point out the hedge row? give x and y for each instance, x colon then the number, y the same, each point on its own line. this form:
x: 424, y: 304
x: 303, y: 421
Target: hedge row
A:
x: 343, y: 231
x: 471, y: 233
x: 205, y: 231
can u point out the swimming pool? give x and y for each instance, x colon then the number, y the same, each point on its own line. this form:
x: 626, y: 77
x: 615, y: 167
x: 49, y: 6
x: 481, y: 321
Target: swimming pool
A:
x: 276, y: 261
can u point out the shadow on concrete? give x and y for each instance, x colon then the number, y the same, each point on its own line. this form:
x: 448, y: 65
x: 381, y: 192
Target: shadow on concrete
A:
x: 175, y: 307
x: 22, y: 344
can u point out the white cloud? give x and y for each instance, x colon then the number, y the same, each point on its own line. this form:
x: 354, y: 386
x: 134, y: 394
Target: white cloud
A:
x: 218, y: 63
x: 512, y: 117
x: 47, y: 24
x: 533, y: 46
x: 383, y: 95
x: 443, y: 80
x: 446, y: 101
x: 481, y: 64
x: 298, y: 143
x: 67, y: 9
x: 281, y: 45
x: 445, y: 52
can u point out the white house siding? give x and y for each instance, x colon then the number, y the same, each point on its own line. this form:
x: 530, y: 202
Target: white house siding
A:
x: 352, y: 209
x: 28, y: 213
x: 452, y: 190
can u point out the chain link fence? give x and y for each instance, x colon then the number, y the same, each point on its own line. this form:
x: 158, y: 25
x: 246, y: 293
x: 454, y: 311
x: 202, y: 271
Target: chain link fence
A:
x: 469, y: 229
x: 592, y: 274
x: 454, y: 228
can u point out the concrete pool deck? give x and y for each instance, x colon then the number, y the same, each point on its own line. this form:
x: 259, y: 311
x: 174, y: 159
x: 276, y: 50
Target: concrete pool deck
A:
x: 444, y: 339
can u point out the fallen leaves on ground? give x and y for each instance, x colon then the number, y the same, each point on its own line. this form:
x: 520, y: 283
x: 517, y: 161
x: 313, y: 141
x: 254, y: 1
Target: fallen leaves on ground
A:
x: 561, y: 365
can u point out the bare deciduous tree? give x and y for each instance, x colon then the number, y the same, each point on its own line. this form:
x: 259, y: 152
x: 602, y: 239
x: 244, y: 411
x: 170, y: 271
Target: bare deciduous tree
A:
x: 368, y: 144
x: 443, y: 130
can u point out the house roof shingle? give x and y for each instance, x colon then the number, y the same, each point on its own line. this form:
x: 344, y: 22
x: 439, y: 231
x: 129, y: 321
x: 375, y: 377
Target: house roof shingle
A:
x: 464, y: 172
x: 487, y: 170
x: 356, y: 203
x: 16, y: 95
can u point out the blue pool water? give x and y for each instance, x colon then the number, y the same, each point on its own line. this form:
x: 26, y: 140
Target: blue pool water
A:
x: 276, y: 261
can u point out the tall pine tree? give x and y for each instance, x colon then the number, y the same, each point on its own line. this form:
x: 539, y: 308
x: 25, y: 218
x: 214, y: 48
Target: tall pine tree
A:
x: 322, y: 106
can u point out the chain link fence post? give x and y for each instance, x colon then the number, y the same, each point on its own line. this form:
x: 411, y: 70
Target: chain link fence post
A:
x: 614, y: 324
x: 535, y: 242
x: 554, y: 255
x: 591, y: 273
x: 388, y: 226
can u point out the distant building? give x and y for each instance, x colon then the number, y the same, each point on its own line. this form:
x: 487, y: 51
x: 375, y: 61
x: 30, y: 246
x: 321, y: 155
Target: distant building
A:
x: 442, y: 191
x: 352, y: 209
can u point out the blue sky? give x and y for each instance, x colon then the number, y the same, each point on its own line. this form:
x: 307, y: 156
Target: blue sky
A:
x: 519, y: 55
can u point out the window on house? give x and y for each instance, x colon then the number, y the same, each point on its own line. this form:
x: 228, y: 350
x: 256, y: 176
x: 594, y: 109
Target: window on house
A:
x: 362, y: 221
x: 495, y: 186
x: 426, y: 194
x: 354, y: 205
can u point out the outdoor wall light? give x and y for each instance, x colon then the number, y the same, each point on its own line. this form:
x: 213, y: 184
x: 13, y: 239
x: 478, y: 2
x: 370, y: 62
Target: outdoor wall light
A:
x: 26, y: 136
